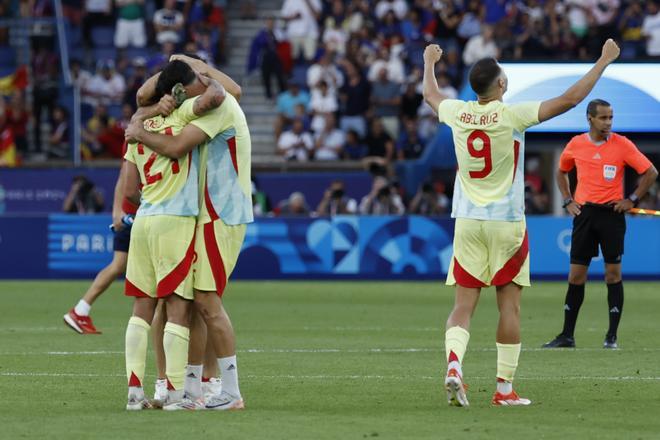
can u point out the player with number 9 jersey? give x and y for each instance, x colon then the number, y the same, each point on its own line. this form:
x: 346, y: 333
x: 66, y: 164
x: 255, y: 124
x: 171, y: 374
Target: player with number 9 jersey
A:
x: 489, y: 143
x: 162, y: 245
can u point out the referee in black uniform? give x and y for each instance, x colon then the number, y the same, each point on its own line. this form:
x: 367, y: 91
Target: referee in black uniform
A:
x: 600, y: 157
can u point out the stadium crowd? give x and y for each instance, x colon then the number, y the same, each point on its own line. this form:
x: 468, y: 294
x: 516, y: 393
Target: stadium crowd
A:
x: 347, y: 72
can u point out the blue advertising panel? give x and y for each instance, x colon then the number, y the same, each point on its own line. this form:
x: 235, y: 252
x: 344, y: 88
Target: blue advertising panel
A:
x: 632, y: 89
x: 343, y: 247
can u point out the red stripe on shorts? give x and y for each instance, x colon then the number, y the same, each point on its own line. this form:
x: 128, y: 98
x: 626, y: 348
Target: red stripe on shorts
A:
x: 512, y: 267
x: 516, y: 152
x: 215, y: 259
x: 131, y: 289
x: 167, y: 285
x: 463, y: 277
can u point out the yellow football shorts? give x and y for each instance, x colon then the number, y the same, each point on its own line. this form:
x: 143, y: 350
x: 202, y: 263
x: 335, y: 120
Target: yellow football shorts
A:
x: 489, y: 253
x: 160, y: 256
x: 217, y: 246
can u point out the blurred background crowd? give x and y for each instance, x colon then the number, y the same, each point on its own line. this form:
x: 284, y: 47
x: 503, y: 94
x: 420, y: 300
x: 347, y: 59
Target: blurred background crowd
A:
x: 340, y: 79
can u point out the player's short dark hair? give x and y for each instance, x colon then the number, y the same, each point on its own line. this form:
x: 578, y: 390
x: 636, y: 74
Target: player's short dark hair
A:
x: 174, y: 72
x: 592, y: 107
x: 483, y: 74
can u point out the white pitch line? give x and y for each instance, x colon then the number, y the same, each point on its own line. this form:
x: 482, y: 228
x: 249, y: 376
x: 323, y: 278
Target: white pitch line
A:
x: 336, y: 350
x: 354, y: 377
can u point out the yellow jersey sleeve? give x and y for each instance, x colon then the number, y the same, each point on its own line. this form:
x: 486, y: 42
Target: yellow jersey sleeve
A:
x: 130, y: 153
x: 524, y: 115
x: 184, y: 113
x: 448, y: 109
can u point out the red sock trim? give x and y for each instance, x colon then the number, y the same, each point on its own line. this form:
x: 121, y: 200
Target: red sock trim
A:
x: 134, y: 381
x: 500, y: 380
x: 452, y: 357
x: 170, y: 387
x: 206, y: 379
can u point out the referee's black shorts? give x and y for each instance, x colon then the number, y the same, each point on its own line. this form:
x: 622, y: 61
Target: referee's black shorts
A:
x: 597, y: 225
x: 122, y: 239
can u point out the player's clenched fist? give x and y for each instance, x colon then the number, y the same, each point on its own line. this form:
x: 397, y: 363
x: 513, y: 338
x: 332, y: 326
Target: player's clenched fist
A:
x: 432, y: 53
x: 610, y: 50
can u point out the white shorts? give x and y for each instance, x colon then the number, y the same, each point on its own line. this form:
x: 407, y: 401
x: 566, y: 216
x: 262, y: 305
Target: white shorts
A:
x: 130, y: 32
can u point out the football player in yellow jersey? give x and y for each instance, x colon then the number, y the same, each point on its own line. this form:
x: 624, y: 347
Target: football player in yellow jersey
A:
x: 490, y: 238
x: 226, y: 208
x: 162, y: 247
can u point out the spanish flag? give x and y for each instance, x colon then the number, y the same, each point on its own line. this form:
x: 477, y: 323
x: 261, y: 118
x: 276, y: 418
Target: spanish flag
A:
x: 8, y: 156
x: 11, y: 81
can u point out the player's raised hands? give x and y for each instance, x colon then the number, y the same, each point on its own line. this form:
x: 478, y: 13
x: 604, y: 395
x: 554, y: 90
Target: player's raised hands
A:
x: 610, y: 51
x: 166, y: 105
x: 432, y: 53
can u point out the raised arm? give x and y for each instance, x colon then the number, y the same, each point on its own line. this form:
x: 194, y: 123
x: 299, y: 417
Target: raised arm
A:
x: 174, y: 147
x: 431, y: 91
x: 200, y: 66
x: 578, y: 91
x: 145, y: 94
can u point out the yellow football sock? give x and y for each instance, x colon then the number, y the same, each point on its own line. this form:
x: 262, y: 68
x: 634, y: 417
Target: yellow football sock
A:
x: 175, y: 345
x: 456, y: 340
x: 507, y: 360
x: 137, y: 338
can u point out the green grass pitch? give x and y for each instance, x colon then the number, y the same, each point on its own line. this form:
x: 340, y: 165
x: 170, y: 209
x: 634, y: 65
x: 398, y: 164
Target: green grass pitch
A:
x: 338, y: 360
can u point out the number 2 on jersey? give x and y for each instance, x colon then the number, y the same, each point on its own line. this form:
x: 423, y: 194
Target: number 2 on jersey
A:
x: 484, y: 153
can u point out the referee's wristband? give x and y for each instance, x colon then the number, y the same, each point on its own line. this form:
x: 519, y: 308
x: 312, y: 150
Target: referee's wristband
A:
x: 567, y: 202
x: 634, y: 199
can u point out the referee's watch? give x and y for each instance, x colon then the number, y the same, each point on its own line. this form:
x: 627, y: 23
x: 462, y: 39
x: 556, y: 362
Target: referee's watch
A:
x: 567, y: 201
x: 634, y: 199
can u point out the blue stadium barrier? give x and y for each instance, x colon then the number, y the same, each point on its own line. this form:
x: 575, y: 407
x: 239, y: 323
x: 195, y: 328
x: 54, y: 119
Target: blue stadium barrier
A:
x: 344, y: 247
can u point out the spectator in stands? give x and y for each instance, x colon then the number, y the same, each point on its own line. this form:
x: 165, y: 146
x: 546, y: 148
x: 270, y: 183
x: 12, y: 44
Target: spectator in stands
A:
x: 480, y: 46
x: 93, y: 131
x: 322, y: 104
x: 336, y: 202
x: 107, y: 86
x: 168, y: 23
x: 260, y: 202
x: 80, y: 77
x: 17, y: 119
x: 326, y: 71
x: 386, y: 99
x: 379, y: 143
x: 334, y: 38
x: 651, y: 29
x: 389, y: 26
x: 130, y: 30
x: 355, y: 98
x: 536, y: 193
x: 8, y: 155
x: 399, y: 8
x: 355, y: 16
x: 83, y: 197
x: 45, y: 90
x: 60, y: 147
x: 382, y: 200
x: 98, y: 13
x: 302, y: 29
x: 294, y: 206
x: 263, y: 53
x: 286, y: 105
x: 392, y: 64
x: 409, y: 145
x: 630, y: 27
x: 470, y: 24
x: 207, y: 17
x: 410, y: 101
x: 138, y: 77
x: 603, y: 14
x: 295, y: 144
x: 430, y: 200
x: 353, y: 148
x: 446, y: 24
x: 329, y: 142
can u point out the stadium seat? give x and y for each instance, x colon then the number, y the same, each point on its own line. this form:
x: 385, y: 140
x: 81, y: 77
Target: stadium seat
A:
x: 105, y: 53
x: 103, y: 36
x: 114, y: 111
x: 299, y: 75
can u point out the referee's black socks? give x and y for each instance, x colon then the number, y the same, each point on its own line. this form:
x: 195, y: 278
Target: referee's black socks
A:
x: 574, y: 298
x: 615, y: 303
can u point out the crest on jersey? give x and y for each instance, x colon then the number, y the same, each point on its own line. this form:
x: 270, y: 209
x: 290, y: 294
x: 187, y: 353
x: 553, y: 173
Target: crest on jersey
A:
x: 609, y: 172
